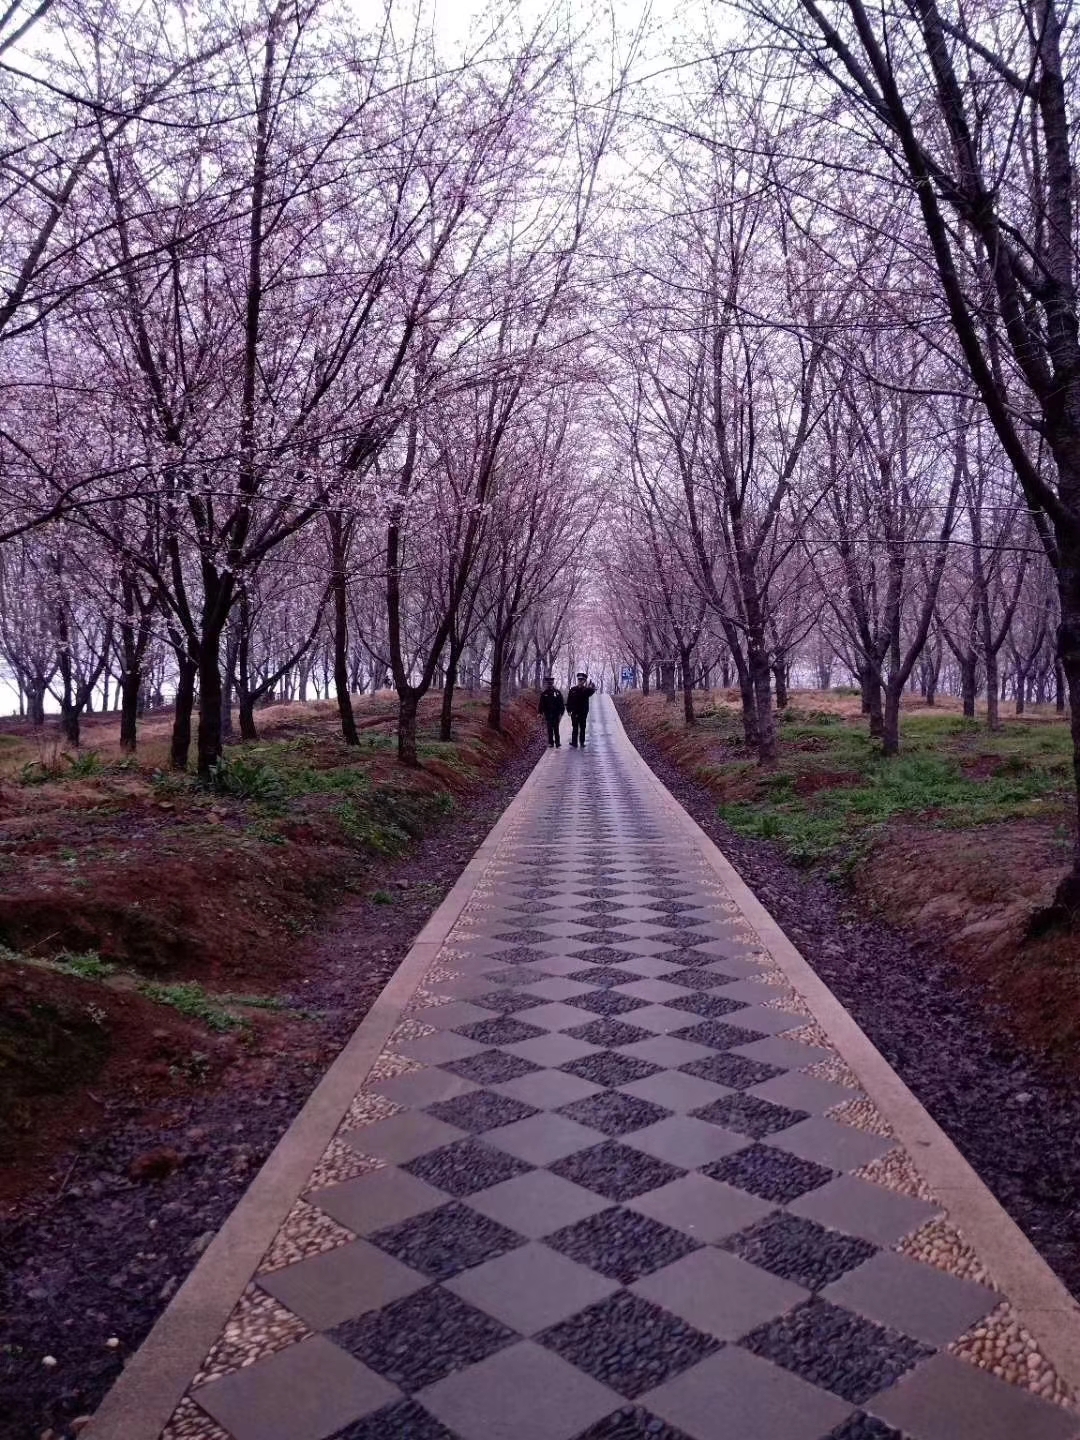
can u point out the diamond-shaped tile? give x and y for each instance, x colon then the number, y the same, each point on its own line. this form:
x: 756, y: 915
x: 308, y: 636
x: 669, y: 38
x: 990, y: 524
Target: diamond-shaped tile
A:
x: 921, y: 1301
x: 949, y: 1399
x: 607, y: 1067
x: 525, y: 1392
x: 750, y: 1116
x: 624, y: 1245
x: 798, y: 1250
x: 504, y: 1031
x: 480, y: 1110
x: 609, y: 1033
x: 628, y: 1344
x: 465, y: 1166
x: 531, y: 1288
x: 839, y: 1351
x: 404, y: 1418
x: 328, y: 1288
x: 613, y: 1113
x: 507, y: 1000
x: 684, y: 1141
x: 606, y: 1001
x: 616, y: 1171
x: 772, y: 1174
x: 734, y: 1071
x: 402, y: 1137
x: 420, y: 1339
x: 307, y: 1390
x: 861, y: 1426
x: 720, y: 1294
x: 490, y: 1067
x: 544, y: 1137
x: 759, y: 1401
x: 718, y: 1034
x: 631, y: 1423
x: 537, y: 1204
x: 374, y: 1201
x: 443, y: 1242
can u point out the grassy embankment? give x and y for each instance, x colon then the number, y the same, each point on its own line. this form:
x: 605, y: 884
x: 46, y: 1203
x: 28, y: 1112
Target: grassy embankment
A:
x: 150, y: 928
x: 962, y: 837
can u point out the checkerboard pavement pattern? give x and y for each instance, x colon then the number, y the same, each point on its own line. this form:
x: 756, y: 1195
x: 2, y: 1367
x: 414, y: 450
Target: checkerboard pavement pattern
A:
x: 610, y: 1181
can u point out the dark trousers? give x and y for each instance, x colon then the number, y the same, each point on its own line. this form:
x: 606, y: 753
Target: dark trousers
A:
x: 552, y: 723
x: 578, y: 722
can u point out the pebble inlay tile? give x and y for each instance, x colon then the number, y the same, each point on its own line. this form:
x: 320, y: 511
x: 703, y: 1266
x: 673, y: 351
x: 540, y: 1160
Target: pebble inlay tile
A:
x: 257, y: 1327
x: 490, y: 1067
x: 614, y: 1114
x: 836, y: 1070
x: 771, y: 1174
x: 191, y: 1422
x: 480, y: 1110
x: 607, y: 1002
x: 718, y: 1034
x: 405, y: 1419
x: 799, y: 1250
x: 939, y: 1243
x: 632, y: 1423
x: 837, y: 1350
x: 443, y: 1242
x: 1001, y: 1345
x: 735, y: 1071
x: 418, y: 1340
x: 503, y: 1031
x: 615, y: 1171
x: 864, y: 1427
x: 862, y: 1114
x: 610, y: 1068
x: 895, y: 1171
x: 368, y: 1107
x: 622, y: 1244
x: 466, y: 1166
x: 747, y: 1115
x: 306, y: 1232
x: 628, y: 1343
x: 609, y: 1033
x: 340, y: 1163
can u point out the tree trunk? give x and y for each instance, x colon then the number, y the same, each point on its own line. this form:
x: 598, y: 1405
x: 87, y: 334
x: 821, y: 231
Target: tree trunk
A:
x: 408, y: 705
x: 780, y: 677
x: 667, y: 676
x: 646, y: 671
x: 1059, y: 688
x: 993, y: 692
x: 890, y: 719
x: 494, y: 718
x: 339, y: 583
x: 130, y: 686
x: 969, y: 685
x: 766, y: 727
x: 185, y: 704
x: 248, y: 729
x: 687, y: 688
x: 209, y: 737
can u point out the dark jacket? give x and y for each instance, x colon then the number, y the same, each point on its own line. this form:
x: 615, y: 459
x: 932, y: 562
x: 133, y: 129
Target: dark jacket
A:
x: 551, y: 704
x: 577, y: 700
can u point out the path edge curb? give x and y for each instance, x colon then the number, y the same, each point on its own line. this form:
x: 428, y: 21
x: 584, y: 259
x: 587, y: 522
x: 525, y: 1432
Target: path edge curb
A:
x: 153, y: 1382
x: 1038, y: 1298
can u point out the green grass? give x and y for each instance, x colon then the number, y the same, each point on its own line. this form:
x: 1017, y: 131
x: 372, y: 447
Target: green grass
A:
x: 952, y: 773
x: 190, y: 999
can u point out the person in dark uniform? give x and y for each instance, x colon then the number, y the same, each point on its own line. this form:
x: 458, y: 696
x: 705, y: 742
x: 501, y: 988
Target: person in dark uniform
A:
x: 551, y: 707
x: 577, y: 707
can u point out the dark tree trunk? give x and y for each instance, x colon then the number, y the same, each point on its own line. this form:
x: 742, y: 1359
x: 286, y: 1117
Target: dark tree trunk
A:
x: 667, y: 676
x: 248, y: 729
x: 687, y: 687
x: 209, y: 737
x: 498, y: 664
x: 1059, y: 688
x: 781, y: 679
x: 646, y: 672
x: 130, y: 689
x: 180, y: 746
x: 761, y: 679
x: 339, y: 583
x: 890, y: 720
x: 969, y: 685
x: 408, y: 706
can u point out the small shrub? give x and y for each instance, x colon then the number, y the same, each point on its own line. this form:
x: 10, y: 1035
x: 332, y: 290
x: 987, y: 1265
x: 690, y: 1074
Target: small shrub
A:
x: 83, y: 764
x: 245, y: 778
x: 87, y: 966
x: 381, y: 897
x: 189, y: 997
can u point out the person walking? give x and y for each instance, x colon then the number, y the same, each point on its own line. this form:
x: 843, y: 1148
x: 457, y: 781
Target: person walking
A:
x: 551, y: 707
x: 577, y: 707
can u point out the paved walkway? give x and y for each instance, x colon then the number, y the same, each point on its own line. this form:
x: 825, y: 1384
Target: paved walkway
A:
x: 610, y: 1180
